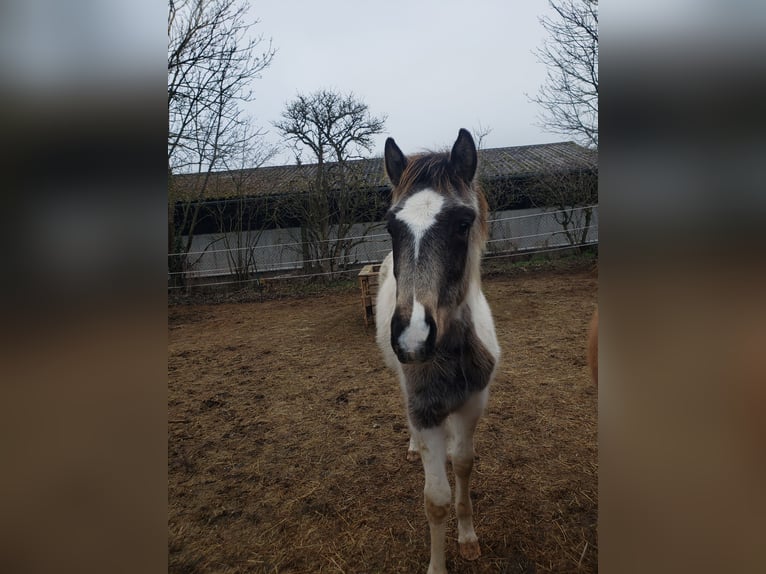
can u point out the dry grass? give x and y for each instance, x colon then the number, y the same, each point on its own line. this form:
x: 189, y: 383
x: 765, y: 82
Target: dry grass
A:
x: 287, y: 439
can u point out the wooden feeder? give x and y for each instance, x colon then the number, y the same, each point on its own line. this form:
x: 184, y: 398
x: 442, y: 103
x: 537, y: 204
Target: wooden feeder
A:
x: 368, y: 283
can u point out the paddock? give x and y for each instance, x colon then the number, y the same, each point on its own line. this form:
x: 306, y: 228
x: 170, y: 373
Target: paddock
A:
x: 287, y: 439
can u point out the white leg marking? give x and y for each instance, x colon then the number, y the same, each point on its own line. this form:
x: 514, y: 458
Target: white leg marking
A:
x: 463, y: 424
x: 433, y: 453
x: 413, y: 449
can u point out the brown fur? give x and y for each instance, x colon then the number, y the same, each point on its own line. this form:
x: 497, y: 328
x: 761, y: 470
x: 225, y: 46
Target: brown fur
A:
x: 436, y: 512
x: 427, y: 167
x: 593, y: 347
x: 470, y: 550
x: 483, y: 217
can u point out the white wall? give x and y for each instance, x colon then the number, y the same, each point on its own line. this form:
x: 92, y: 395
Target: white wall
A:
x: 279, y: 249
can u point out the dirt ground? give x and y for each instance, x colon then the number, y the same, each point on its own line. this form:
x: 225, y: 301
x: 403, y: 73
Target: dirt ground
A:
x: 287, y: 439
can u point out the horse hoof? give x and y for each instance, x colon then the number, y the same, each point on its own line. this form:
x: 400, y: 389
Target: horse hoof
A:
x: 470, y: 550
x: 413, y: 455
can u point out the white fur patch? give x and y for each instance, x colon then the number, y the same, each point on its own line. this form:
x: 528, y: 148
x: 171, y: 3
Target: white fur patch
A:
x: 419, y: 213
x: 416, y: 333
x: 483, y: 322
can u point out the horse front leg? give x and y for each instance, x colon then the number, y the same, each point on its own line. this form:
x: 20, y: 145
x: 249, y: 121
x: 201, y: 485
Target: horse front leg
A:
x: 412, y: 449
x: 462, y: 464
x: 462, y: 427
x: 437, y: 493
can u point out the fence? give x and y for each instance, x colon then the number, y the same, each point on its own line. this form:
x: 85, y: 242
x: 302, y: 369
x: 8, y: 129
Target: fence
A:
x: 228, y: 259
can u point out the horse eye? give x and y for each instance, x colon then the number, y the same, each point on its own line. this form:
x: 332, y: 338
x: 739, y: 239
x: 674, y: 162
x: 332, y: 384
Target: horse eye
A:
x: 463, y: 227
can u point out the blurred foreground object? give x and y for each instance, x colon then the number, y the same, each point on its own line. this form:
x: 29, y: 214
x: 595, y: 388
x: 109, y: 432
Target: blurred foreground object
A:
x: 593, y: 347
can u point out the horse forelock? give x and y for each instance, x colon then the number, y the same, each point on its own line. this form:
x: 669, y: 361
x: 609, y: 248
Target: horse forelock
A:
x: 428, y: 170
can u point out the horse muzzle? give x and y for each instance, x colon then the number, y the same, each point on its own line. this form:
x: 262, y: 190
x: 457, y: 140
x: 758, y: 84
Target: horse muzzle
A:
x: 414, y: 340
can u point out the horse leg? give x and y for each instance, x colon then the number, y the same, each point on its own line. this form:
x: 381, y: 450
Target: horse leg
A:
x: 463, y: 424
x: 437, y: 493
x: 412, y: 449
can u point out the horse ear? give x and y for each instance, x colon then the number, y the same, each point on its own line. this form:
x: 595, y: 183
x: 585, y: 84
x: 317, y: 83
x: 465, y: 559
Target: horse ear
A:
x: 395, y: 161
x: 463, y: 156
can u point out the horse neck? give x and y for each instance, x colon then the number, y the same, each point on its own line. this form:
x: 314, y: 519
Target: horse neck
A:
x: 474, y: 286
x: 472, y: 280
x: 475, y: 254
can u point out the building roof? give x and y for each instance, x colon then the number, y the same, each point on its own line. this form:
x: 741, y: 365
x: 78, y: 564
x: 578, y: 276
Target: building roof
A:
x: 494, y: 163
x: 523, y: 161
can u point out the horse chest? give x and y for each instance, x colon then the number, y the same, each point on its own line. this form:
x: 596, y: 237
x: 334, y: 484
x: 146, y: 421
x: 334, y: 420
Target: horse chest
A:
x: 440, y: 387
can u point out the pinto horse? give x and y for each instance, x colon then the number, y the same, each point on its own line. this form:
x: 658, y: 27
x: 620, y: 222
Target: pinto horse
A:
x: 434, y: 326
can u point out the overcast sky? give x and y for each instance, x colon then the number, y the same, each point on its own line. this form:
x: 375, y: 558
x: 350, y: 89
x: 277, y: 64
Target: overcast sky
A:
x: 431, y: 66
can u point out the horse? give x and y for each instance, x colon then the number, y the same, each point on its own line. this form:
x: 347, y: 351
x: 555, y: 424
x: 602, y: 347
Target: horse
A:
x: 434, y: 326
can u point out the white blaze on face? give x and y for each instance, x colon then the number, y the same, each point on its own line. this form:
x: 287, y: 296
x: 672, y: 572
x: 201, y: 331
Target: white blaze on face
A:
x: 416, y: 333
x: 419, y: 213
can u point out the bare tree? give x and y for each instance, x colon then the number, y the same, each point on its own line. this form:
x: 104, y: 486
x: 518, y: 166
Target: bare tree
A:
x: 573, y: 194
x: 569, y: 95
x: 242, y: 217
x: 479, y: 133
x: 334, y: 129
x: 212, y: 60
